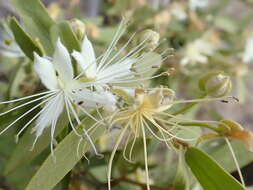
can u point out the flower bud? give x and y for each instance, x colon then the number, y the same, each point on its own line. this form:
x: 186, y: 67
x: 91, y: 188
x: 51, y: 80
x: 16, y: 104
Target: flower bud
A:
x: 216, y: 84
x: 78, y: 28
x: 234, y: 130
x: 151, y: 39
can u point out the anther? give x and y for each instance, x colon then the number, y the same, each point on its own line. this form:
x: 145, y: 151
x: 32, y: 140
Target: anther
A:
x: 80, y: 103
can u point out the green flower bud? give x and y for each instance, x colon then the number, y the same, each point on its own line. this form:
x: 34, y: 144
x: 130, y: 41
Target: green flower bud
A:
x: 216, y: 84
x: 151, y: 38
x: 78, y: 28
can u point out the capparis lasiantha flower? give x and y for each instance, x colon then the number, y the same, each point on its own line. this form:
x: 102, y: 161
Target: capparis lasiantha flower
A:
x: 146, y: 114
x: 64, y: 92
x: 111, y: 68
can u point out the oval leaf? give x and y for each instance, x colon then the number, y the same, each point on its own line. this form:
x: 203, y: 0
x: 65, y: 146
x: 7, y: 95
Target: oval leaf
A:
x: 65, y: 32
x: 37, y: 21
x: 24, y: 40
x: 50, y: 173
x: 209, y: 174
x: 22, y: 154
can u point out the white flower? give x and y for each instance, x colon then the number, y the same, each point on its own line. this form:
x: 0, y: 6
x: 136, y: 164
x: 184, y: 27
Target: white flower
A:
x: 197, y: 52
x: 64, y: 91
x: 248, y: 51
x: 195, y: 4
x: 102, y: 73
x: 111, y: 69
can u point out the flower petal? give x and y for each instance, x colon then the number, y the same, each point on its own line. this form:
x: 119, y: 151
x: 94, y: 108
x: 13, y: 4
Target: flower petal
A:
x: 87, y: 58
x: 46, y: 72
x: 50, y: 113
x: 62, y: 62
x: 110, y: 104
x: 87, y: 97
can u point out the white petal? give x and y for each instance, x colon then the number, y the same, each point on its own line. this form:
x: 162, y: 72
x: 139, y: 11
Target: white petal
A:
x: 46, y: 72
x: 110, y: 104
x: 62, y: 62
x: 50, y: 113
x: 79, y: 58
x: 89, y: 57
x: 87, y: 98
x: 89, y: 70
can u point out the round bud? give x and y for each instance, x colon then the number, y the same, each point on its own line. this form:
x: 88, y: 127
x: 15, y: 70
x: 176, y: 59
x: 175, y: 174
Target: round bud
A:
x: 216, y: 84
x: 151, y: 39
x: 78, y: 28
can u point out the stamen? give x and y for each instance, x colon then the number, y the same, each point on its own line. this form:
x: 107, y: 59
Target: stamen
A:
x: 99, y: 113
x: 156, y: 136
x: 69, y: 117
x: 109, y: 172
x: 141, y: 79
x: 138, y: 58
x: 53, y: 125
x: 55, y: 103
x: 84, y: 131
x: 125, y: 148
x: 83, y: 153
x: 130, y: 54
x: 166, y: 142
x: 27, y: 124
x: 87, y: 113
x: 28, y: 97
x: 132, y: 146
x: 27, y: 103
x: 116, y: 38
x: 23, y: 115
x: 145, y: 155
x: 236, y: 161
x: 117, y: 54
x: 174, y: 136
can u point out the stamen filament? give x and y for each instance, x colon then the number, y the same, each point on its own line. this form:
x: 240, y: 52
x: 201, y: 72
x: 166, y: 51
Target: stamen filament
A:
x: 27, y: 103
x: 27, y: 97
x: 236, y: 161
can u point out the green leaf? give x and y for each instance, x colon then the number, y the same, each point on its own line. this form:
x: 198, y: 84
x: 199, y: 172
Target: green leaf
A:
x: 50, y: 173
x: 68, y: 38
x: 22, y: 154
x: 37, y: 21
x: 218, y: 149
x: 210, y: 175
x: 24, y: 40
